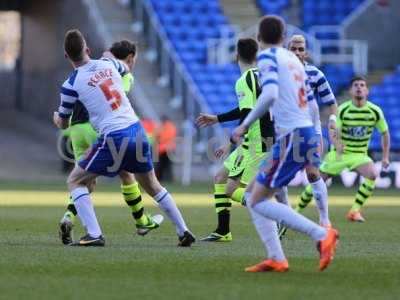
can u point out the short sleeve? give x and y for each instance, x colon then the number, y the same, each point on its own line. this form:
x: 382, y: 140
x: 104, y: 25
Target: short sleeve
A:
x: 381, y: 124
x: 268, y: 68
x: 324, y: 90
x: 121, y: 67
x: 68, y: 97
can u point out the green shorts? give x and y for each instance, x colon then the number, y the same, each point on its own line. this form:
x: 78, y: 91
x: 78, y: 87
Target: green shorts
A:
x: 244, y: 164
x: 82, y: 137
x: 334, y: 165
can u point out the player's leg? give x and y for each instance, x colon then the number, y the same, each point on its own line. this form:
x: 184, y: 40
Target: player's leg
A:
x: 137, y: 160
x: 78, y: 181
x: 320, y: 193
x: 222, y: 208
x: 133, y: 198
x: 163, y: 198
x: 277, y: 172
x: 369, y: 172
x: 82, y: 137
x: 230, y: 169
x: 250, y: 165
x: 332, y: 165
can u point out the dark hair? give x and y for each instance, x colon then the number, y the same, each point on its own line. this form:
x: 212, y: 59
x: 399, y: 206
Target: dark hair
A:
x: 122, y: 49
x: 247, y: 50
x: 74, y: 44
x: 271, y: 29
x: 358, y: 78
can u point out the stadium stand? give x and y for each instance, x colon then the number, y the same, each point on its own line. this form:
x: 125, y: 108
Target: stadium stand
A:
x: 272, y: 6
x: 324, y: 12
x: 387, y: 95
x: 188, y: 25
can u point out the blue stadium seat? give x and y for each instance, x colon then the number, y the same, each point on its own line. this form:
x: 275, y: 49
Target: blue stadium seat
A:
x: 326, y: 12
x: 387, y: 96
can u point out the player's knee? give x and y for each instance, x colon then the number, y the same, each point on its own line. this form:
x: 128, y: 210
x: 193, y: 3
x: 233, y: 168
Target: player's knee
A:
x: 91, y: 185
x: 229, y: 191
x: 372, y: 175
x: 152, y: 186
x: 126, y: 178
x: 219, y: 178
x: 313, y: 176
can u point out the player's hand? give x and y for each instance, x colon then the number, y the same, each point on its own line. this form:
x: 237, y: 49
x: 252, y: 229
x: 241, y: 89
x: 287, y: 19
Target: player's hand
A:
x: 332, y: 125
x: 223, y: 151
x: 56, y: 119
x: 339, y: 150
x: 204, y: 120
x: 238, y: 133
x: 385, y: 164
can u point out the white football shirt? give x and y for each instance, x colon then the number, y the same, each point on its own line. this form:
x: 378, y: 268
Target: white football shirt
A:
x: 280, y: 67
x: 98, y: 85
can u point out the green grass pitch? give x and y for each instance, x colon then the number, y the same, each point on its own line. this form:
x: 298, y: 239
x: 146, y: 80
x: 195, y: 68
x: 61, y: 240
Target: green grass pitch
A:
x: 34, y: 264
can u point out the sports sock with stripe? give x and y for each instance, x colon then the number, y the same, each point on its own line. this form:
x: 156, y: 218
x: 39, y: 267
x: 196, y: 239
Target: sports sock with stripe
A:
x: 268, y: 233
x: 305, y: 198
x: 222, y: 207
x: 364, y: 192
x: 85, y: 210
x: 290, y: 218
x: 238, y: 195
x: 320, y: 193
x: 133, y: 199
x: 168, y: 205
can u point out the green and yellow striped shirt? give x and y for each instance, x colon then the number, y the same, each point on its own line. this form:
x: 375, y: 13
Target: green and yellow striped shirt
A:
x: 247, y: 91
x: 356, y: 125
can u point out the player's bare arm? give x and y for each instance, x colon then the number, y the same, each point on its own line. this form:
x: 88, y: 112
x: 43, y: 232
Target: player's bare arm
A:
x: 61, y: 123
x: 385, y: 141
x: 204, y: 120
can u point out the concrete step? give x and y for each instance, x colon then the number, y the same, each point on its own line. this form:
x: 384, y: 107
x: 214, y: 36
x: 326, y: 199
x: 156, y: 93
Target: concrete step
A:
x: 243, y: 13
x: 119, y: 20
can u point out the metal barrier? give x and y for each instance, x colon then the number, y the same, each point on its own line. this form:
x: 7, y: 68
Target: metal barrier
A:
x: 346, y: 51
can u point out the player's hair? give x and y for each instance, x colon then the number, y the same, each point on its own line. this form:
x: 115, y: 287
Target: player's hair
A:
x: 358, y: 78
x: 271, y: 29
x: 297, y: 38
x: 247, y: 50
x: 74, y: 44
x: 122, y: 49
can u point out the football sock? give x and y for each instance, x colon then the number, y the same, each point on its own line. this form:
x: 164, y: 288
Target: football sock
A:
x: 320, y: 193
x: 222, y: 207
x: 85, y: 210
x: 305, y: 198
x: 364, y: 192
x: 70, y: 212
x: 290, y: 218
x: 133, y: 199
x: 238, y: 194
x: 167, y: 204
x: 282, y: 196
x: 268, y: 233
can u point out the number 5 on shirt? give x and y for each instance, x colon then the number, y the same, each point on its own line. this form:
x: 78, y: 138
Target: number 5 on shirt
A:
x: 111, y: 94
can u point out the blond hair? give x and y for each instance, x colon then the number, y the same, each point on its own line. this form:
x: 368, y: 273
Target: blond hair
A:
x: 297, y: 38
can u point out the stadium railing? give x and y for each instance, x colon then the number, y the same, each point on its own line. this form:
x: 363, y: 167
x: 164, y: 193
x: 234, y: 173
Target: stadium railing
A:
x: 107, y: 40
x: 322, y: 51
x: 186, y: 94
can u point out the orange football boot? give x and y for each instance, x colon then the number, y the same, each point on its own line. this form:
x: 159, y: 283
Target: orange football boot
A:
x: 355, y: 216
x: 327, y: 248
x: 269, y: 265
